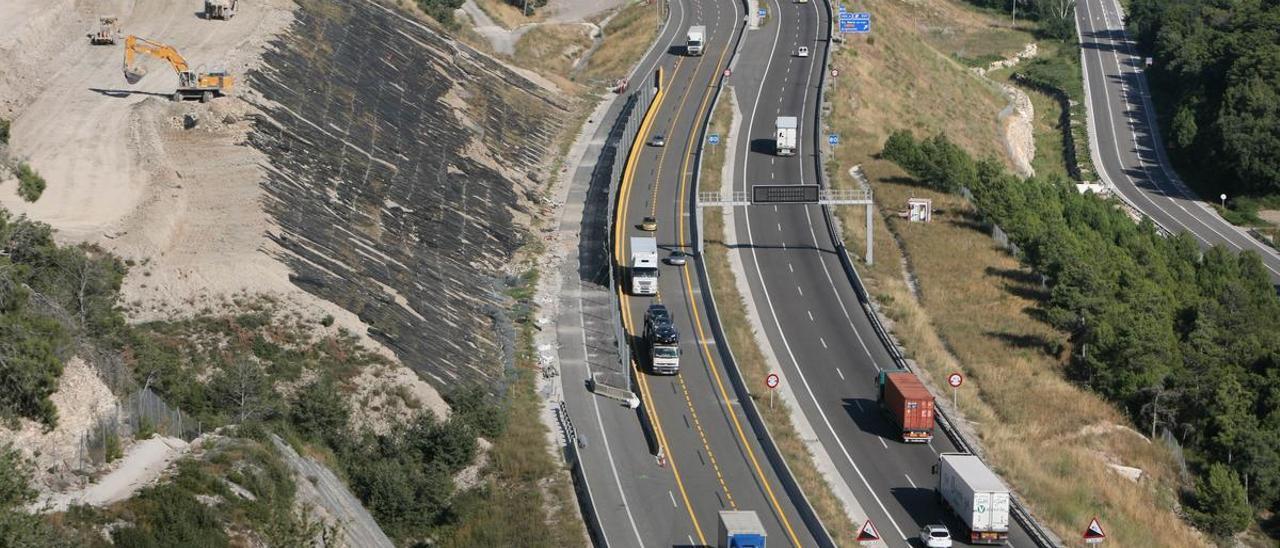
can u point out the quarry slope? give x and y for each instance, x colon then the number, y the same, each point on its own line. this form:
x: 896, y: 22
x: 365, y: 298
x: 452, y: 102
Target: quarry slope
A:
x: 398, y: 175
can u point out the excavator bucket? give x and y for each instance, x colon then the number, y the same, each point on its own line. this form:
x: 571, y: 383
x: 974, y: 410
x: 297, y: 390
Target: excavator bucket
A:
x: 134, y: 75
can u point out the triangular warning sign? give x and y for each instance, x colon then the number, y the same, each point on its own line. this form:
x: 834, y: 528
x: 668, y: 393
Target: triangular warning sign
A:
x: 1094, y: 532
x: 868, y: 532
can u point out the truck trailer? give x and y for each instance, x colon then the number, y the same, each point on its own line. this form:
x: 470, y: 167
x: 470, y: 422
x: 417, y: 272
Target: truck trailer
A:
x: 644, y: 266
x: 975, y: 495
x: 663, y: 340
x: 739, y: 529
x: 785, y: 135
x: 697, y: 37
x: 908, y: 403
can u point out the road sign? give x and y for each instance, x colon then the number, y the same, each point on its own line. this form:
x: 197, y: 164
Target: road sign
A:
x: 835, y: 72
x: 772, y: 380
x: 728, y: 72
x: 842, y: 8
x: 868, y: 533
x: 847, y: 16
x: 833, y: 139
x: 1094, y: 534
x: 761, y: 13
x: 784, y: 194
x: 955, y: 380
x: 714, y: 138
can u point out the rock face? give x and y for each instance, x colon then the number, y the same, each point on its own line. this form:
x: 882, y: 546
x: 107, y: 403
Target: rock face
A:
x: 397, y: 159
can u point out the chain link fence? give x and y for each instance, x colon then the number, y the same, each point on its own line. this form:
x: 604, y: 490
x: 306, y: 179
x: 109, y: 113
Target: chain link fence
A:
x: 139, y: 416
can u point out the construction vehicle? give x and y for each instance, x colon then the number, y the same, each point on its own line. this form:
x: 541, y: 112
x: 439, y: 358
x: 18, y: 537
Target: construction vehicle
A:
x: 203, y: 86
x: 108, y: 32
x: 220, y: 9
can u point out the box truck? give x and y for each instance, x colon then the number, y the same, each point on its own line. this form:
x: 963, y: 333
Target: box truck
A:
x: 785, y: 135
x: 974, y: 494
x: 740, y: 529
x: 908, y: 403
x: 644, y: 266
x: 697, y: 37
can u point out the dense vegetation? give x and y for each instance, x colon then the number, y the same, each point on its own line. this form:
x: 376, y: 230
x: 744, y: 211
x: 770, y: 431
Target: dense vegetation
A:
x: 51, y: 297
x: 441, y: 10
x: 1188, y: 344
x: 1216, y: 84
x: 1056, y: 18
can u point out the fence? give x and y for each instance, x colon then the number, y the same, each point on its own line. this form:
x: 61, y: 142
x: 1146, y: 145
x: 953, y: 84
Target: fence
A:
x: 139, y: 415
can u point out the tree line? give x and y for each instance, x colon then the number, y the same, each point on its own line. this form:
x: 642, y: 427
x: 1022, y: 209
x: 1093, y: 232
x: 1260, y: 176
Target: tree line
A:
x: 1215, y: 79
x: 1187, y: 342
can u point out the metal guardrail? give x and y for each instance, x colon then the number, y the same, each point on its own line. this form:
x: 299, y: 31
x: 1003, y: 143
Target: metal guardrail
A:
x: 785, y: 476
x: 1039, y: 534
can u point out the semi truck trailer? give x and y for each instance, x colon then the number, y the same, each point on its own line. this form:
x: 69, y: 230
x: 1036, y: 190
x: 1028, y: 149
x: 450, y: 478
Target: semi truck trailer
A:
x: 976, y: 495
x: 739, y: 529
x: 785, y: 135
x: 644, y: 266
x: 908, y: 403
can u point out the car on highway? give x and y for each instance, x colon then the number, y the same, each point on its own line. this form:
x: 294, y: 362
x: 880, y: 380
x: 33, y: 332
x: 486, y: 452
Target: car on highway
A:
x: 649, y: 224
x: 802, y: 52
x: 658, y: 141
x: 935, y: 536
x: 678, y: 258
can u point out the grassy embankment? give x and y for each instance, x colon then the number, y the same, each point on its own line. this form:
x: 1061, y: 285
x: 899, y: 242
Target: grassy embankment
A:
x: 1048, y: 438
x: 747, y: 353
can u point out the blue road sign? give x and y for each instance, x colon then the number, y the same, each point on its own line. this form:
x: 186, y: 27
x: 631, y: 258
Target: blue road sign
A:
x: 862, y: 26
x: 846, y: 16
x: 762, y: 12
x: 842, y: 9
x: 846, y: 26
x: 714, y: 138
x: 833, y: 139
x: 862, y: 15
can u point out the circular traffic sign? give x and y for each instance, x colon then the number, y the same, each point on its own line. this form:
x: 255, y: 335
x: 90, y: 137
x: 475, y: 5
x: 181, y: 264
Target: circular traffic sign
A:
x: 728, y: 72
x: 772, y: 380
x: 835, y: 72
x: 955, y: 380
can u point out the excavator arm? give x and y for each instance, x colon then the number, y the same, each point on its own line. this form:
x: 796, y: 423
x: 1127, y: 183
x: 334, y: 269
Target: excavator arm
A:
x: 134, y: 45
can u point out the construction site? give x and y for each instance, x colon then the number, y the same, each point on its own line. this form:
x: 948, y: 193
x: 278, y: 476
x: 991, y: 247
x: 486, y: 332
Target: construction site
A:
x: 340, y: 182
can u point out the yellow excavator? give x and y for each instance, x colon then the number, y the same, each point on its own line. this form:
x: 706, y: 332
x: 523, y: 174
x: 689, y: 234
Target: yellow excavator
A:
x: 203, y: 86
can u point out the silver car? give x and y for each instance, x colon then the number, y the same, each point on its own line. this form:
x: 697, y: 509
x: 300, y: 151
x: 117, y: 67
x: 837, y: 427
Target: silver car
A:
x: 678, y: 258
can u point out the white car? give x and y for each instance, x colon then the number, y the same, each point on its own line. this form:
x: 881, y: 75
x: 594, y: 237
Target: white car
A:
x: 802, y: 52
x: 935, y: 536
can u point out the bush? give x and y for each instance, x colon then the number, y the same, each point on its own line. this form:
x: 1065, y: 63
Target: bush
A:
x: 319, y: 412
x: 472, y: 406
x: 1221, y: 508
x: 30, y: 184
x: 441, y: 10
x: 4, y: 131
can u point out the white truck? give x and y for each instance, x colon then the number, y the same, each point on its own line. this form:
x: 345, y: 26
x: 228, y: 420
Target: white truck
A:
x: 974, y: 493
x: 697, y: 37
x: 785, y: 135
x: 739, y: 529
x: 664, y: 340
x: 644, y: 266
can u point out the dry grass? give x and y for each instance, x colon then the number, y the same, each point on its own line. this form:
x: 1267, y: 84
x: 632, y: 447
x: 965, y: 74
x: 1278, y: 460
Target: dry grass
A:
x: 1047, y: 437
x: 747, y: 354
x: 626, y: 37
x: 552, y: 50
x: 509, y: 16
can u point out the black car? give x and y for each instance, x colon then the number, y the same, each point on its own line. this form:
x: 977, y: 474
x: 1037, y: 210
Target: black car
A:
x: 656, y: 315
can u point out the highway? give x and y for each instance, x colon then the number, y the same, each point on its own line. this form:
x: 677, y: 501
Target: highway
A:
x: 1124, y: 137
x: 814, y: 324
x: 708, y: 445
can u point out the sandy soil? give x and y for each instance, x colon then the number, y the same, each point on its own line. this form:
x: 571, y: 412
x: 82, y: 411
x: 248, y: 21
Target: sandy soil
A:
x: 140, y: 466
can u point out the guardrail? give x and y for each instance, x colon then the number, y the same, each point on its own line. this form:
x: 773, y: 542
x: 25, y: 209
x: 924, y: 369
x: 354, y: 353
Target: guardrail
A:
x: 1039, y: 534
x: 785, y: 477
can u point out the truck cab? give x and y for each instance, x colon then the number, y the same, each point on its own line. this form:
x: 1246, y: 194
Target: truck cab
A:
x: 644, y: 266
x: 663, y: 340
x: 740, y: 529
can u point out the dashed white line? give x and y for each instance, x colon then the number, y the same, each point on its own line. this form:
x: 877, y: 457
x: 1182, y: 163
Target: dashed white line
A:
x: 823, y: 341
x: 913, y: 484
x: 801, y: 291
x: 673, y: 499
x: 839, y: 373
x: 886, y: 446
x: 791, y: 268
x: 809, y: 311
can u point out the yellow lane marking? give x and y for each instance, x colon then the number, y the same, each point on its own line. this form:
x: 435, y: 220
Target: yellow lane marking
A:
x: 697, y: 322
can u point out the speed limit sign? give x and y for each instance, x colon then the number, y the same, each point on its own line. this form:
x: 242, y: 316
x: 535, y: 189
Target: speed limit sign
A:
x: 955, y: 380
x: 772, y: 380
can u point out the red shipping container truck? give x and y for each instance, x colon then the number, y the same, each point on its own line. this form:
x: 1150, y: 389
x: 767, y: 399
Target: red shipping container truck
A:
x: 909, y: 403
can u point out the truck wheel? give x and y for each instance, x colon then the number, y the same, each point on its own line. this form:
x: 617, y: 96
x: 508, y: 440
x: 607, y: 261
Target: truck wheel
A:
x: 206, y: 97
x: 176, y: 97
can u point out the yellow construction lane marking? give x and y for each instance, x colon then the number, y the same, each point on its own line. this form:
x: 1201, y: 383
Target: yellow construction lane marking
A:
x: 697, y: 322
x: 628, y: 174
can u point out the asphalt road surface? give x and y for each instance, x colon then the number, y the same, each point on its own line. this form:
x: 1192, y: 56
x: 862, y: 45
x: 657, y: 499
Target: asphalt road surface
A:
x: 1125, y: 137
x: 821, y: 336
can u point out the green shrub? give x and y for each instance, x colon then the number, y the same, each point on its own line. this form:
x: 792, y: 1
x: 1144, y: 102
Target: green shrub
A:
x: 4, y: 131
x: 1221, y: 505
x: 30, y: 184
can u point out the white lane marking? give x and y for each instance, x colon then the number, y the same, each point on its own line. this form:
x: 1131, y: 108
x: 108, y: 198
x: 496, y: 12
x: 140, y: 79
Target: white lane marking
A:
x: 913, y: 484
x: 801, y: 292
x: 824, y: 343
x: 932, y: 448
x: 779, y: 227
x: 673, y: 499
x: 791, y: 268
x: 809, y: 311
x: 839, y: 373
x: 882, y: 443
